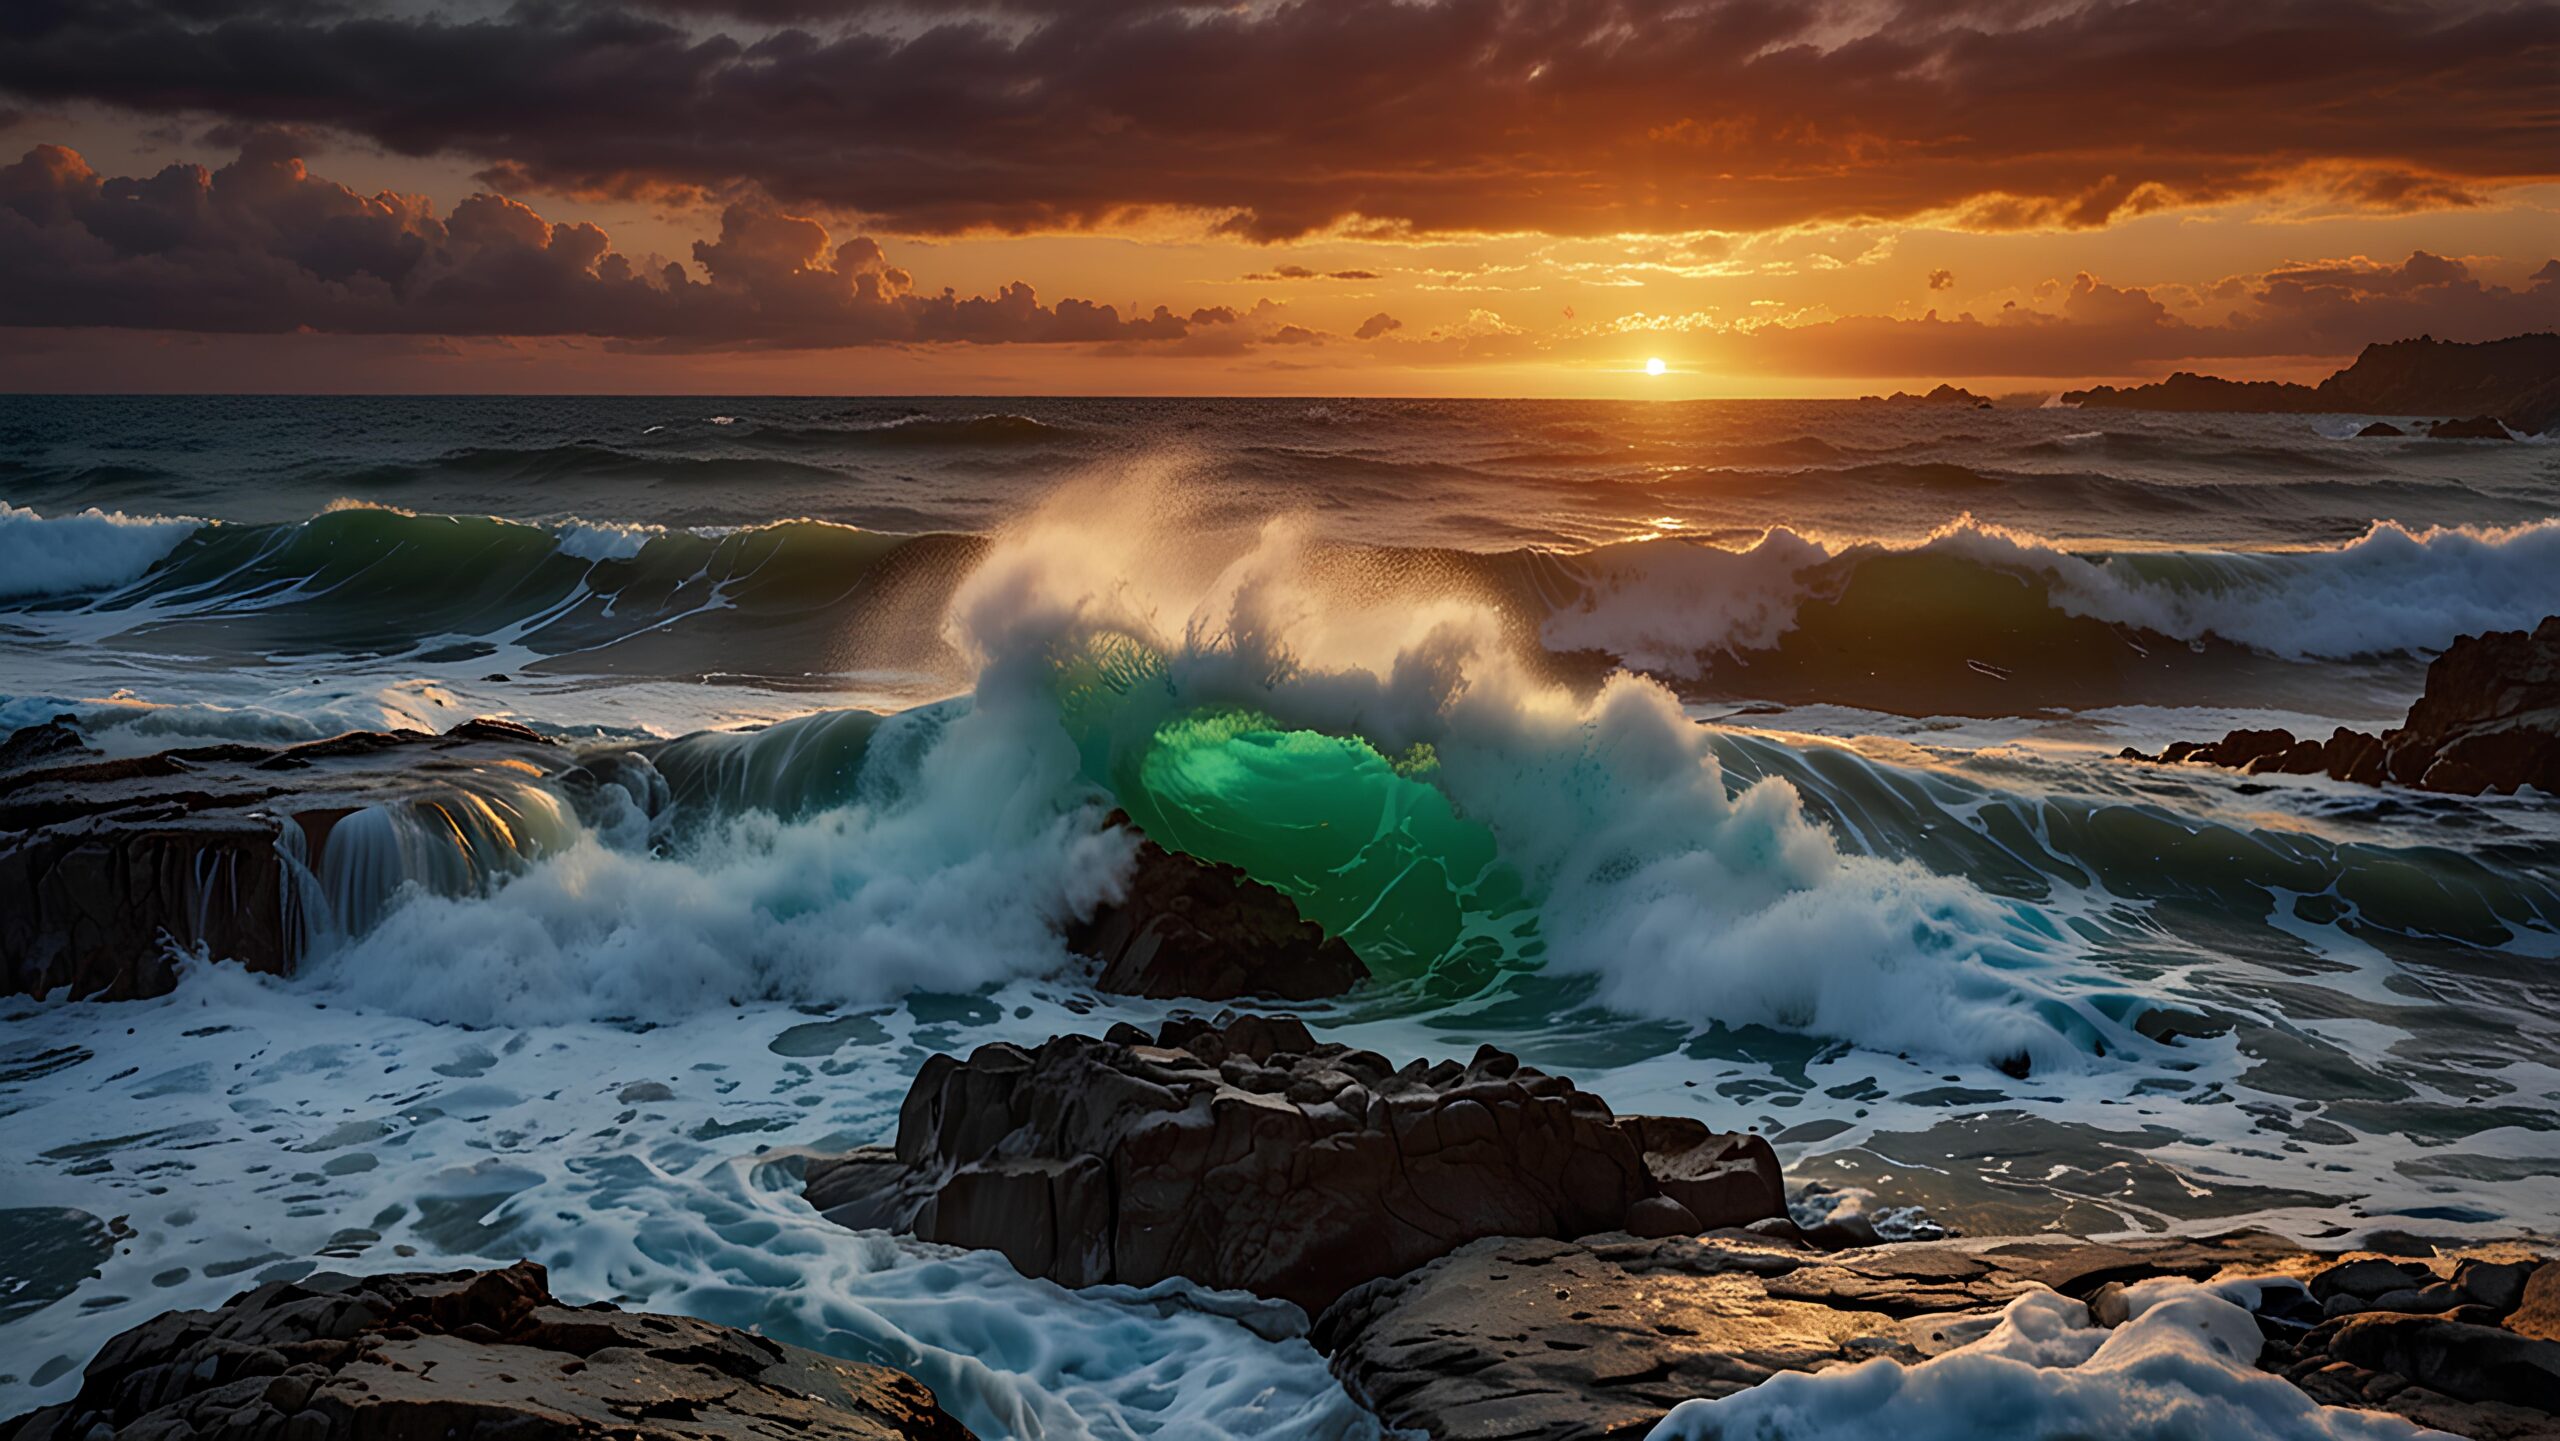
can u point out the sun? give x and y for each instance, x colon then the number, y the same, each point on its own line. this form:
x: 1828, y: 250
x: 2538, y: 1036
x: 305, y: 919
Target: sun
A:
x: 1655, y: 366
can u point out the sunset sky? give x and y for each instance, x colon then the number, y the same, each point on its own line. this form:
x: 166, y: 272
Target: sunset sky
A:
x: 1364, y: 196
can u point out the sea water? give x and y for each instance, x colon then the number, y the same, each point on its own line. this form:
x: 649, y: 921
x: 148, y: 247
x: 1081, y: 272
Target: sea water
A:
x: 1746, y: 761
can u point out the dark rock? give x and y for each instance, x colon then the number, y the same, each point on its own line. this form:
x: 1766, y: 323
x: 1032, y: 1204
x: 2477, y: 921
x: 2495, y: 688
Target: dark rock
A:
x: 1941, y: 394
x: 2488, y: 720
x: 48, y: 742
x: 1195, y: 929
x: 1245, y: 1153
x: 2469, y: 1363
x: 494, y: 728
x: 2478, y: 427
x: 2367, y: 1278
x: 111, y: 868
x: 2537, y: 1312
x: 2516, y: 380
x: 2432, y: 1299
x: 2379, y: 430
x: 468, y: 1356
x: 2241, y: 748
x: 2355, y: 756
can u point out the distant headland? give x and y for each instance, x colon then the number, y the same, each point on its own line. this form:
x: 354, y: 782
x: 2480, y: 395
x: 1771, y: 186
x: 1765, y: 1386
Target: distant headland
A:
x: 2515, y: 381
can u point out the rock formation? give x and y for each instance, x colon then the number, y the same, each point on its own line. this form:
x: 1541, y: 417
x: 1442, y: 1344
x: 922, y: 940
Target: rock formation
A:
x: 1599, y: 1338
x: 1941, y: 394
x: 2477, y: 427
x: 107, y: 865
x: 1244, y: 1153
x: 468, y: 1356
x: 2488, y: 720
x: 2516, y: 380
x: 1204, y: 931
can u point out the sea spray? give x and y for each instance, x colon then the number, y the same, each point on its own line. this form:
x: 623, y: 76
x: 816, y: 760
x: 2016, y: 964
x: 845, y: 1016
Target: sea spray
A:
x: 1685, y: 899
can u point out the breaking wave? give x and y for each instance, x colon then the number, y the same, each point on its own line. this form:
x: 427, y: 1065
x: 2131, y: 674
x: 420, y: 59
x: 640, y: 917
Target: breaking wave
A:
x: 92, y: 551
x: 1461, y: 820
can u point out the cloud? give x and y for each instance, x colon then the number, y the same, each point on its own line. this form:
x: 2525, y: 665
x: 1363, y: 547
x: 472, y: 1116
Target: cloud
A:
x: 1581, y: 117
x: 2315, y: 309
x: 1941, y: 279
x: 263, y: 245
x: 1377, y: 325
x: 1301, y: 272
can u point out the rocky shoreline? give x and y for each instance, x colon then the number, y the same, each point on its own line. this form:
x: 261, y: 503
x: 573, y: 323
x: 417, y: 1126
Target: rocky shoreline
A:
x: 2488, y: 720
x: 1484, y: 1251
x: 1480, y: 1249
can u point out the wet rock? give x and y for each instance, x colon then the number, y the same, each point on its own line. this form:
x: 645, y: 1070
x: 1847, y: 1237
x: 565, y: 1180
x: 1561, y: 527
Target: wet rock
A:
x: 2488, y: 720
x: 109, y: 869
x: 2466, y: 1362
x: 2497, y: 1285
x: 47, y: 742
x: 1598, y: 1338
x: 2367, y: 1278
x: 2477, y: 427
x: 1195, y: 929
x: 2380, y: 429
x: 468, y: 1356
x: 1245, y: 1153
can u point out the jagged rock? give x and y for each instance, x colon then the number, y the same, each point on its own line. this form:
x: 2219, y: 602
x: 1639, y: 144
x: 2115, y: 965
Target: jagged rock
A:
x: 468, y: 1356
x: 108, y: 867
x: 1941, y: 394
x: 1554, y: 1339
x: 1245, y: 1153
x: 1195, y: 929
x: 2488, y: 720
x: 47, y: 742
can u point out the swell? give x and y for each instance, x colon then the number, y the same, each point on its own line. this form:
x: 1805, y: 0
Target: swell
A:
x: 1972, y: 619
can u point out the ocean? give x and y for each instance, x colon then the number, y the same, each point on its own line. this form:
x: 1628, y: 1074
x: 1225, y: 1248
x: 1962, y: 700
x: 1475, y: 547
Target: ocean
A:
x: 1747, y: 760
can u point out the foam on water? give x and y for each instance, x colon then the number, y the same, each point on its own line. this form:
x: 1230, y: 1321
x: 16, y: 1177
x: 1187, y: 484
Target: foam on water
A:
x: 245, y: 1129
x: 2180, y: 1368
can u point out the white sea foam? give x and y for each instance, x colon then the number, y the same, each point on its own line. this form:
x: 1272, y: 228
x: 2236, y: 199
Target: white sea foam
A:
x: 1686, y: 898
x: 406, y: 1145
x: 92, y: 550
x: 974, y: 840
x: 959, y: 876
x: 2181, y: 1367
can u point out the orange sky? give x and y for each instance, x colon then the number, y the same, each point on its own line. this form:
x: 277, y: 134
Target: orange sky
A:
x: 1125, y: 196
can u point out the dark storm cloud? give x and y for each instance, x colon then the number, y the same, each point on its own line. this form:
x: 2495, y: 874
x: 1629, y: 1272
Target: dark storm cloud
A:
x: 262, y: 245
x: 1567, y: 116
